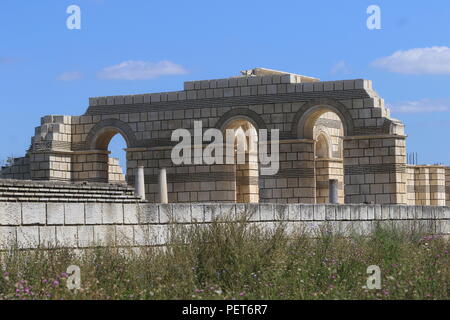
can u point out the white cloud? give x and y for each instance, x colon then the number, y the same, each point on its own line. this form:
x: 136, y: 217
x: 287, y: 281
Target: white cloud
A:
x: 140, y: 70
x: 70, y: 76
x: 340, y: 68
x: 424, y: 105
x: 434, y: 60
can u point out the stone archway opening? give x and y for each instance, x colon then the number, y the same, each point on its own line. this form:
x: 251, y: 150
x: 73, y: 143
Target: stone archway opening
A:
x: 107, y: 161
x: 327, y: 132
x: 246, y: 168
x: 117, y: 162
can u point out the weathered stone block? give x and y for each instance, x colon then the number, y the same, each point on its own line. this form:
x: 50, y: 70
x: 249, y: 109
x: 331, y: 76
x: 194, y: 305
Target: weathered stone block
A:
x: 319, y: 212
x: 85, y: 236
x: 74, y: 213
x: 47, y: 236
x: 33, y: 213
x: 211, y: 211
x: 281, y: 212
x: 112, y: 213
x: 93, y: 213
x: 330, y: 212
x: 355, y: 212
x: 10, y: 213
x: 67, y: 236
x: 125, y: 235
x: 8, y: 237
x: 306, y: 212
x: 197, y: 213
x: 227, y: 210
x: 28, y: 237
x: 266, y: 212
x: 55, y: 213
x: 294, y: 212
x: 158, y: 234
x: 148, y: 213
x: 104, y: 235
x: 130, y: 213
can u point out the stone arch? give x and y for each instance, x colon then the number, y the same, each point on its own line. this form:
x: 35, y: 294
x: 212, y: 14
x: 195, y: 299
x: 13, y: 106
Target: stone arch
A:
x: 245, y: 124
x: 306, y: 116
x: 323, y: 145
x: 101, y: 134
x: 242, y: 114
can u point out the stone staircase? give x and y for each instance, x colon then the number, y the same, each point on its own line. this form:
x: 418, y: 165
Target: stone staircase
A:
x: 50, y: 191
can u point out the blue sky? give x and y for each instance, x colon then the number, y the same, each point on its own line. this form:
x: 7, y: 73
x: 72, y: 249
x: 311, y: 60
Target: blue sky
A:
x: 45, y: 68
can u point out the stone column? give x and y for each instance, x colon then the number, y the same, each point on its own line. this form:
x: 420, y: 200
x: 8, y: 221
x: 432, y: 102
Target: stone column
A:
x: 139, y: 183
x: 163, y: 196
x: 333, y: 191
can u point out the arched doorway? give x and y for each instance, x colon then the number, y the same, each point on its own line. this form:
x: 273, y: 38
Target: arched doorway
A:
x: 106, y: 137
x: 325, y: 125
x: 117, y: 162
x: 246, y: 167
x: 328, y: 131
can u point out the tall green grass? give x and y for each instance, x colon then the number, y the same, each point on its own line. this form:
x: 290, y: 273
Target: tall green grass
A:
x: 239, y: 260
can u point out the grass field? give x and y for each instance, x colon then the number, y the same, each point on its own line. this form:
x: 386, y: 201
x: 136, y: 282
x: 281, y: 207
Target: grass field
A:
x: 239, y: 261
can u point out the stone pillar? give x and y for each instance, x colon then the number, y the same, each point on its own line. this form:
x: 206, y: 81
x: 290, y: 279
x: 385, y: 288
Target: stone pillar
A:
x: 163, y: 197
x: 375, y: 169
x: 333, y: 191
x: 437, y: 186
x: 422, y: 185
x: 139, y: 183
x: 247, y: 189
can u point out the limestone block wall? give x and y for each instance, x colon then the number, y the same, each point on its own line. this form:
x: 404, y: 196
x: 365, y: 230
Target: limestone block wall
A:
x: 18, y: 169
x: 427, y: 185
x: 411, y: 185
x: 375, y: 170
x: 84, y: 225
x: 295, y: 180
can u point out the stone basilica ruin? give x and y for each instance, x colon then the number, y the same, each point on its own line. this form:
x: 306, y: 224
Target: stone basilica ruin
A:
x: 332, y: 133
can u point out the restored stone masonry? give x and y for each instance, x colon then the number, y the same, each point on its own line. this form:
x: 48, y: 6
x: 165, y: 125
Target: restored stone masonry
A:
x: 329, y: 130
x: 83, y: 225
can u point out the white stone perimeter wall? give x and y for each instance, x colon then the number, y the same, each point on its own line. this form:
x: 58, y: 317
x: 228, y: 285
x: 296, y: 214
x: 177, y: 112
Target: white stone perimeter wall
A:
x: 82, y: 225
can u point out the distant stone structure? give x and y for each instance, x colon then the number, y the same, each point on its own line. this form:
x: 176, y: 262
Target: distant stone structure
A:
x: 332, y: 130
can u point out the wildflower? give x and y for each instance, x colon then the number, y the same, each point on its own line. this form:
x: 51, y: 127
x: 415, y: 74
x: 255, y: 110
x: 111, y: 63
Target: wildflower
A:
x: 56, y: 283
x: 242, y: 294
